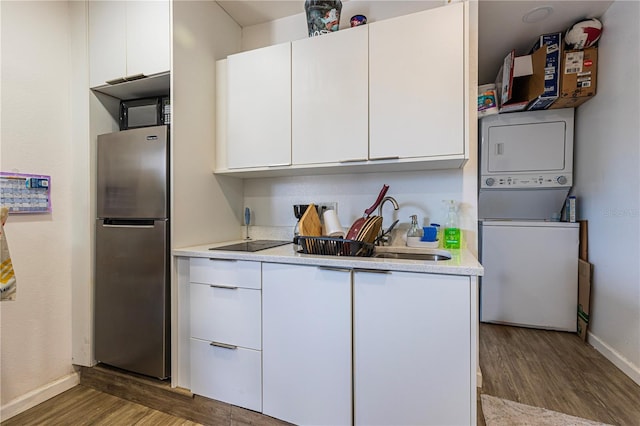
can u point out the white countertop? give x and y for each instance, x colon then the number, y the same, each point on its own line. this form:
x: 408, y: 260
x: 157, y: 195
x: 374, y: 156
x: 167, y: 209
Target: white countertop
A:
x: 462, y: 261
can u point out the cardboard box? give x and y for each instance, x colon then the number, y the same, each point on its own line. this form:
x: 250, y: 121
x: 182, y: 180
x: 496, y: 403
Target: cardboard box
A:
x: 579, y: 77
x: 585, y: 270
x: 584, y: 240
x: 553, y: 43
x: 520, y: 80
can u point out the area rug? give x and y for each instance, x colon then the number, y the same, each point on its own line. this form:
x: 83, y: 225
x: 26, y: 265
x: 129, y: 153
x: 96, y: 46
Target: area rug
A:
x: 502, y: 412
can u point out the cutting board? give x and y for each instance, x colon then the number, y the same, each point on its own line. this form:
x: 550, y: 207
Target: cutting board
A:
x: 310, y: 225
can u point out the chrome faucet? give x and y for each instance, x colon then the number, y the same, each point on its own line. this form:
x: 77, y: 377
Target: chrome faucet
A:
x: 383, y: 236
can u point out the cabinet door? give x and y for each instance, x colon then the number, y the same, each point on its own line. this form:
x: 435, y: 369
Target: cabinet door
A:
x: 306, y: 315
x: 259, y: 107
x: 128, y: 38
x: 329, y: 92
x: 416, y: 84
x: 412, y: 350
x: 148, y: 42
x: 107, y: 41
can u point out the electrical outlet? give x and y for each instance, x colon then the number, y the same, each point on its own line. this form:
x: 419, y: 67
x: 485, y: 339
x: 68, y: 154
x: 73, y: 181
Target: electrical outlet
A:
x: 322, y: 207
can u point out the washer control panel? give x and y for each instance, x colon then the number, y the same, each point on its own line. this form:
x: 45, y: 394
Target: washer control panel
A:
x: 526, y: 181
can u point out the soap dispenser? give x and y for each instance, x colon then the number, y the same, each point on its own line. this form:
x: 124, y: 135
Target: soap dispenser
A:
x: 414, y: 230
x: 452, y: 228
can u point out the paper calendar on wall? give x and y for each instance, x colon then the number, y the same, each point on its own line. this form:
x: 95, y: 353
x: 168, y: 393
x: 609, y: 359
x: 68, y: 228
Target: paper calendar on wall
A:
x: 25, y: 193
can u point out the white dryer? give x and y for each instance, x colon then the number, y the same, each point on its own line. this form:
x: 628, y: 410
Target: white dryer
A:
x: 526, y: 164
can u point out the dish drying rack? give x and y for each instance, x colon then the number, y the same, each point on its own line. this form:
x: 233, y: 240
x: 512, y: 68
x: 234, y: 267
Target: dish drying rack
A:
x: 331, y: 246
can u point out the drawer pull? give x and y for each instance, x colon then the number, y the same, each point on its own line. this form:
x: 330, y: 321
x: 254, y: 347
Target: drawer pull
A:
x: 330, y: 268
x: 394, y: 157
x: 223, y: 345
x: 372, y: 271
x: 223, y: 260
x: 353, y: 160
x: 228, y: 287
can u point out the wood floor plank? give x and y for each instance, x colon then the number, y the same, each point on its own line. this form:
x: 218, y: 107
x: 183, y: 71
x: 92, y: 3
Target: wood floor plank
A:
x: 547, y: 369
x: 242, y: 417
x: 82, y: 405
x: 557, y: 371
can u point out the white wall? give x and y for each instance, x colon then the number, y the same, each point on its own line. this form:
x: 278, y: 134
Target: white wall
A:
x: 418, y: 193
x: 295, y: 27
x: 205, y: 207
x: 36, y: 138
x: 607, y: 186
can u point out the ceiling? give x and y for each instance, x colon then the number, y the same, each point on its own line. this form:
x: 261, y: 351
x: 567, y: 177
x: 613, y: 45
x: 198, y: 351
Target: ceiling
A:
x: 501, y: 26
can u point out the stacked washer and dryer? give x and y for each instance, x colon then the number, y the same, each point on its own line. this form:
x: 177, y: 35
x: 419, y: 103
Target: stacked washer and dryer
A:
x: 530, y: 258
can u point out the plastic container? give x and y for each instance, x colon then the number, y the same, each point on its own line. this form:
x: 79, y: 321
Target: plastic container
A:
x: 452, y: 234
x: 430, y: 233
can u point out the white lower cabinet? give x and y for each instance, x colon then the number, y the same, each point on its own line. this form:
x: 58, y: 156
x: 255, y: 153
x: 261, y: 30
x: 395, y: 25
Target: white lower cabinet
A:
x: 337, y: 346
x: 307, y: 344
x: 412, y: 349
x: 225, y: 328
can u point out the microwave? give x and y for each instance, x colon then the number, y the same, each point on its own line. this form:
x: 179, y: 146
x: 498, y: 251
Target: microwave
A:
x: 527, y: 150
x: 145, y: 112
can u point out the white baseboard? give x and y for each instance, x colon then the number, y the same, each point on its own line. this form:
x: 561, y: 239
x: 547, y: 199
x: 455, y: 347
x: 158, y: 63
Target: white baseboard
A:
x: 633, y: 371
x: 37, y: 396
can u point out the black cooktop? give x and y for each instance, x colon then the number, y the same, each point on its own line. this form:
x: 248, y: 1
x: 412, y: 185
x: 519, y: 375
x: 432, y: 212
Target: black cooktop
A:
x: 256, y: 245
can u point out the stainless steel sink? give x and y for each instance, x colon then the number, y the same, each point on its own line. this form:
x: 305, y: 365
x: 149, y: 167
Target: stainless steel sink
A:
x: 412, y: 256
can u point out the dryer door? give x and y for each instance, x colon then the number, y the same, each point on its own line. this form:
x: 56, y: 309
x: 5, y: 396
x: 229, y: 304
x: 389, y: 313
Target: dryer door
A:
x: 538, y: 147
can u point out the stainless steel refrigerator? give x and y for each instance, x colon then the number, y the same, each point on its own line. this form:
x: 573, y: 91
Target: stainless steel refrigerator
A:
x: 132, y: 301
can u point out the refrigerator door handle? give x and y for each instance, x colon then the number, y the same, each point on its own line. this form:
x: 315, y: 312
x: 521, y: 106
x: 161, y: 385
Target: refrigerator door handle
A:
x: 129, y: 223
x: 128, y: 226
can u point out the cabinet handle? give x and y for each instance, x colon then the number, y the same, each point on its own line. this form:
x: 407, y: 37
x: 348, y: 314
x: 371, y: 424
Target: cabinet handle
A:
x: 135, y: 77
x: 372, y: 271
x: 329, y: 268
x: 279, y: 165
x: 499, y: 149
x: 223, y: 260
x: 396, y: 157
x: 354, y: 160
x: 228, y: 287
x: 116, y: 81
x: 223, y: 345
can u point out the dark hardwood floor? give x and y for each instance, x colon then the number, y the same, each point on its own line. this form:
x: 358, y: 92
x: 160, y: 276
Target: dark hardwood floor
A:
x: 557, y: 371
x: 548, y: 369
x: 83, y: 405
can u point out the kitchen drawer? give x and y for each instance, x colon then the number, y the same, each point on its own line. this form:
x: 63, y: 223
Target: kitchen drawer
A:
x: 226, y: 315
x: 229, y: 375
x: 232, y: 273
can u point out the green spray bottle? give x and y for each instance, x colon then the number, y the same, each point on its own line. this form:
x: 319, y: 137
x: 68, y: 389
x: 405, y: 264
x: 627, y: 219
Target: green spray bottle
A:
x: 452, y: 228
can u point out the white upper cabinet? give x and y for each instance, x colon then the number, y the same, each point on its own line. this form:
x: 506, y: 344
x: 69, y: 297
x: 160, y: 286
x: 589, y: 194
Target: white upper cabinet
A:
x: 259, y: 107
x: 330, y: 98
x: 391, y: 95
x: 148, y: 42
x: 128, y: 39
x: 417, y: 84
